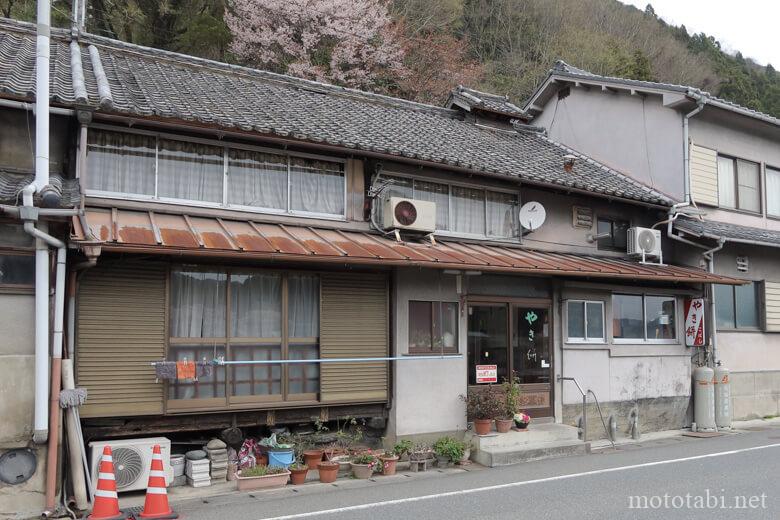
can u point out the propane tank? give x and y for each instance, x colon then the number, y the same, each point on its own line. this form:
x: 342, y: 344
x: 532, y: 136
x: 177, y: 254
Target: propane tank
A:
x: 722, y: 398
x: 704, y: 399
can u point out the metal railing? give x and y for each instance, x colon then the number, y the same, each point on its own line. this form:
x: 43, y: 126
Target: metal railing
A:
x: 585, y: 410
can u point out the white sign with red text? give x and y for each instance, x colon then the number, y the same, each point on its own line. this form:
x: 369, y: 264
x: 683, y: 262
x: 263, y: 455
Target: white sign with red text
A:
x: 694, y: 322
x: 487, y: 374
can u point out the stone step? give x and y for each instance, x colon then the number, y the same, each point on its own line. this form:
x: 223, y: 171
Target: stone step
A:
x: 536, y: 433
x: 503, y: 456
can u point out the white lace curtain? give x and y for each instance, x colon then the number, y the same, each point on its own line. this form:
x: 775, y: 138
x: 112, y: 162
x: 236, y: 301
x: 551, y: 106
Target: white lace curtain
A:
x: 257, y: 179
x: 468, y: 211
x: 121, y: 163
x: 189, y: 171
x: 316, y: 186
x: 198, y: 304
x: 303, y: 319
x: 256, y: 305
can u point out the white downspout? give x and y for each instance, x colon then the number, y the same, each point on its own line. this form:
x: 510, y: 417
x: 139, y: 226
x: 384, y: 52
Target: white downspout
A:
x: 42, y: 52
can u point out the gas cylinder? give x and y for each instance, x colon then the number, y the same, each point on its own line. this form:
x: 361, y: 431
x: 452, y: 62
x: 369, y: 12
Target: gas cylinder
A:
x: 704, y: 399
x: 722, y: 398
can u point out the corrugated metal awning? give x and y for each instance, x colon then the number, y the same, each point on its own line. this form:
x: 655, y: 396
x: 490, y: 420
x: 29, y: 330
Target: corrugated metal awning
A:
x: 161, y: 233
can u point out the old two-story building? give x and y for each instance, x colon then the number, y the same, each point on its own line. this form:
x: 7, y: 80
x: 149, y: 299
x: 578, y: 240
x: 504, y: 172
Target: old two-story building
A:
x: 320, y: 252
x: 721, y: 161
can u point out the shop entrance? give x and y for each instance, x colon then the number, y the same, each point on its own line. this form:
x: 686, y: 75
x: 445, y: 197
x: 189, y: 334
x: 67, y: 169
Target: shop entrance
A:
x: 515, y: 336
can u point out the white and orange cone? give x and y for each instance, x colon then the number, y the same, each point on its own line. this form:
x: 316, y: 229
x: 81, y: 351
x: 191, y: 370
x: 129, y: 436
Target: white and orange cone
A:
x: 156, y: 503
x: 106, y: 502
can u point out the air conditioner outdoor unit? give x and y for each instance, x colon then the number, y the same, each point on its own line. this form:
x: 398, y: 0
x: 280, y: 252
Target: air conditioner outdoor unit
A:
x: 644, y: 242
x: 132, y: 461
x: 410, y: 215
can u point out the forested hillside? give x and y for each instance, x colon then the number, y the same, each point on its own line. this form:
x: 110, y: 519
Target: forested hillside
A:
x: 419, y: 49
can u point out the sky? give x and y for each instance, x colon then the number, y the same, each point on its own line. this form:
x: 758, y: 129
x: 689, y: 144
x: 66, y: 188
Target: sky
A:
x: 748, y: 26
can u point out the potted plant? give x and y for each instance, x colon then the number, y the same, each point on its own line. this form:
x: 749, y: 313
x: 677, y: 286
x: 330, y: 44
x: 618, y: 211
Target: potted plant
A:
x: 364, y: 465
x: 403, y: 448
x: 298, y: 472
x: 261, y: 477
x: 388, y: 460
x: 448, y: 450
x: 509, y: 405
x: 481, y: 407
x: 521, y: 420
x: 420, y: 452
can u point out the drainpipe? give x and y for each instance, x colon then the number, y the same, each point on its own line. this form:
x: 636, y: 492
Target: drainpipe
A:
x: 709, y: 256
x: 700, y: 102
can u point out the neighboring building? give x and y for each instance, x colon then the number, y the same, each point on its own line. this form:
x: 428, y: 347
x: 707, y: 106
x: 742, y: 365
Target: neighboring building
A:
x: 638, y: 127
x: 228, y: 215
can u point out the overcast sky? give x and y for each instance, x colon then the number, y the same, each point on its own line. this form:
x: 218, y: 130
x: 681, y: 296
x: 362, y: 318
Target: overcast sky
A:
x: 748, y: 26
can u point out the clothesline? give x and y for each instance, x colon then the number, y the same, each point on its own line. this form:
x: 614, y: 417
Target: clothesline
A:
x: 222, y: 362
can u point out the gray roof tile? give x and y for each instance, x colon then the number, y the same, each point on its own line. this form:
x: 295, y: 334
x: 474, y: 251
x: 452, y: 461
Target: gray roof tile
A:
x: 12, y: 183
x: 732, y: 232
x: 148, y: 82
x: 474, y: 99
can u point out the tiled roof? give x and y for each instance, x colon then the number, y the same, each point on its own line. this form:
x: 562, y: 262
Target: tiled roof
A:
x: 12, y: 183
x: 474, y: 99
x: 144, y: 82
x: 563, y: 69
x: 731, y: 232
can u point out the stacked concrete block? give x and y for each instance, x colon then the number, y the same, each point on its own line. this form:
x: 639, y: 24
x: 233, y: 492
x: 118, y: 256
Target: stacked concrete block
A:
x: 197, y: 469
x: 217, y: 454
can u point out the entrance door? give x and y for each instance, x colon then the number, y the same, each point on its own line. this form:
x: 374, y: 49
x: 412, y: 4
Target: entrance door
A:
x: 517, y: 339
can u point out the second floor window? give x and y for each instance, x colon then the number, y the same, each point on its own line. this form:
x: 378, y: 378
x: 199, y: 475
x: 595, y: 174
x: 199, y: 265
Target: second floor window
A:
x: 739, y: 185
x: 618, y: 233
x: 772, y: 192
x: 736, y: 306
x: 147, y: 166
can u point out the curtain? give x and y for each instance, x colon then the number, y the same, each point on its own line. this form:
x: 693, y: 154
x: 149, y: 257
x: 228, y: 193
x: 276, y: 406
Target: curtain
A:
x: 256, y: 305
x: 773, y: 192
x: 190, y: 171
x: 726, y: 195
x: 121, y: 163
x: 304, y: 306
x: 197, y: 304
x: 257, y: 179
x: 748, y: 185
x: 501, y: 214
x: 438, y: 193
x: 468, y: 211
x: 316, y: 186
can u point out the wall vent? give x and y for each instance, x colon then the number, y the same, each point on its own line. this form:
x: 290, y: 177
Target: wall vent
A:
x: 581, y: 217
x: 743, y: 264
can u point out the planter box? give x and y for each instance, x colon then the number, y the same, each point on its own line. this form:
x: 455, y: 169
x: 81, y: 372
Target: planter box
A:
x: 262, y: 482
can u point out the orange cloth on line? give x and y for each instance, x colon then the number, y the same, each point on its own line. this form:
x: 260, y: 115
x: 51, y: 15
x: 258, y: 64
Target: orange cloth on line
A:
x: 185, y: 370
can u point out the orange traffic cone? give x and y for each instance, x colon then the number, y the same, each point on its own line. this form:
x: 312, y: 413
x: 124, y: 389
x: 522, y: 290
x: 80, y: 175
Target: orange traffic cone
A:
x: 156, y: 503
x: 106, y: 502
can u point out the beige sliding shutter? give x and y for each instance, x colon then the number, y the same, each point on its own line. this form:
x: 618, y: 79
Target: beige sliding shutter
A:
x: 120, y: 330
x: 354, y: 323
x: 772, y: 306
x: 704, y: 175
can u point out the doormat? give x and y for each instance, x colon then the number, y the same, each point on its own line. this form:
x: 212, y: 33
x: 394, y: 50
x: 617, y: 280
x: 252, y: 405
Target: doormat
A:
x: 702, y: 435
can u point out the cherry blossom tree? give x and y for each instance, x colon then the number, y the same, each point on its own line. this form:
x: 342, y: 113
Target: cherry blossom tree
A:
x: 349, y: 42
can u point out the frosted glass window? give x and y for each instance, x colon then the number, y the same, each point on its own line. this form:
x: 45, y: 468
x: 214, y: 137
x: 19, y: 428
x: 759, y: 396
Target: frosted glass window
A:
x: 749, y: 188
x: 121, y: 163
x: 724, y: 306
x: 190, y: 171
x: 594, y: 312
x: 257, y: 179
x: 576, y: 320
x: 773, y: 192
x: 727, y: 196
x: 746, y: 305
x: 468, y: 211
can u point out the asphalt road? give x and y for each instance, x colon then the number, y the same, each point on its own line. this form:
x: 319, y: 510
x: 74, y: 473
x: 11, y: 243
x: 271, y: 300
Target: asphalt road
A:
x: 733, y: 477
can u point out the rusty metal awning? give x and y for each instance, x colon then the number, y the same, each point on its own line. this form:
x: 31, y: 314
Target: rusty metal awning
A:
x: 140, y: 231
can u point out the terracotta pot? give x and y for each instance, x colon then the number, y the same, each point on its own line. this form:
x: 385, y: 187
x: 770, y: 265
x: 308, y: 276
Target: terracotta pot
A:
x: 262, y: 459
x: 261, y: 482
x: 331, y: 454
x: 388, y: 465
x: 313, y: 457
x: 361, y: 471
x: 328, y: 471
x: 504, y: 425
x: 298, y: 476
x: 482, y: 426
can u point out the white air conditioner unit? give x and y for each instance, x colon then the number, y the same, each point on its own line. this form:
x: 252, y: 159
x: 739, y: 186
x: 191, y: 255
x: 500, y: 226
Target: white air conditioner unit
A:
x: 644, y: 242
x: 132, y: 461
x: 410, y: 215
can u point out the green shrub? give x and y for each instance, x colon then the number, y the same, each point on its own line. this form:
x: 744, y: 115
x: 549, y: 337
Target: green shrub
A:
x: 451, y: 448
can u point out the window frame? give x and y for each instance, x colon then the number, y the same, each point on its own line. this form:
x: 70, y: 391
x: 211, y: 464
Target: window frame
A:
x: 774, y: 170
x: 612, y: 220
x: 586, y: 340
x: 758, y: 285
x: 228, y: 341
x: 473, y: 186
x: 225, y: 147
x: 28, y: 251
x: 735, y: 164
x: 432, y: 351
x: 645, y: 339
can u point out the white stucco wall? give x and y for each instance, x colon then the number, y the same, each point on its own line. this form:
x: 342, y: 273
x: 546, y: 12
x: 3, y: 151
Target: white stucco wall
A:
x: 426, y: 392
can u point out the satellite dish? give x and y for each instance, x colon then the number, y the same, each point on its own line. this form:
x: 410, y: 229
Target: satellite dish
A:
x: 532, y: 216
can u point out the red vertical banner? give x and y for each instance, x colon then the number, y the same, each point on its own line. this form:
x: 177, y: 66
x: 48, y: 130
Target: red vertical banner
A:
x: 694, y: 322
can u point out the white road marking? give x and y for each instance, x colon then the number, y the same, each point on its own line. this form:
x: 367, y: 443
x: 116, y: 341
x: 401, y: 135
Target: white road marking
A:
x: 512, y: 484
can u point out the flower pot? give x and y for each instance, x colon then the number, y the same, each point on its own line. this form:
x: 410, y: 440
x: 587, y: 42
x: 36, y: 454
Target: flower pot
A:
x: 298, y: 476
x: 361, y: 471
x: 504, y: 425
x: 328, y: 471
x: 313, y: 457
x: 442, y: 461
x: 466, y: 456
x: 521, y: 427
x: 261, y: 482
x: 262, y: 459
x: 333, y: 453
x: 388, y: 465
x: 482, y: 426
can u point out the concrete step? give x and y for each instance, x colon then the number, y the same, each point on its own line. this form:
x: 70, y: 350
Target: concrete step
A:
x: 503, y: 456
x: 536, y: 433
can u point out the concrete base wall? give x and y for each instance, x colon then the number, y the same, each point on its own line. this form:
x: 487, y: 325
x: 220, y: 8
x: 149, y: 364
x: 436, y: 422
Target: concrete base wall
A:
x: 655, y: 414
x: 25, y: 500
x: 755, y: 394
